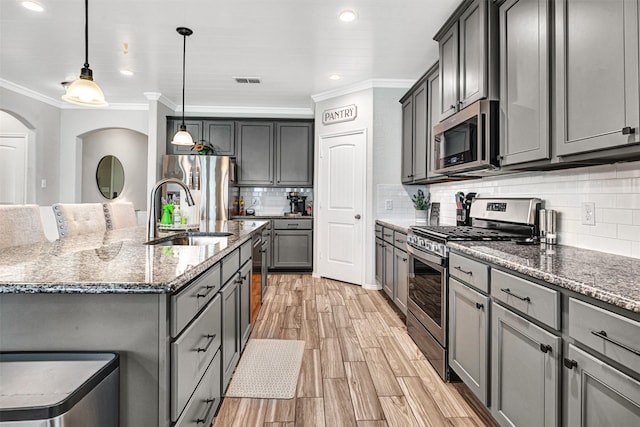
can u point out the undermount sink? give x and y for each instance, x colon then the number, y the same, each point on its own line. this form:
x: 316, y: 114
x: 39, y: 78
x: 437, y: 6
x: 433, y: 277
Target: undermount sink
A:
x: 194, y: 238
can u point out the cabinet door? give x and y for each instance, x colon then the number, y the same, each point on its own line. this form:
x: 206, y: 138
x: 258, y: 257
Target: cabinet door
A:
x: 400, y: 279
x: 596, y: 74
x: 245, y: 303
x: 255, y: 153
x: 379, y: 261
x: 294, y: 154
x: 448, y: 49
x: 221, y: 136
x: 407, y: 140
x: 420, y: 133
x: 473, y: 54
x: 598, y: 394
x: 388, y: 270
x: 469, y: 337
x: 230, y: 330
x: 524, y: 90
x: 433, y: 89
x: 293, y: 249
x: 194, y: 127
x: 524, y: 371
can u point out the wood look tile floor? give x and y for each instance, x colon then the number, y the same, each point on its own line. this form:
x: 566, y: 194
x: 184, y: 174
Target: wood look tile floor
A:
x: 360, y: 367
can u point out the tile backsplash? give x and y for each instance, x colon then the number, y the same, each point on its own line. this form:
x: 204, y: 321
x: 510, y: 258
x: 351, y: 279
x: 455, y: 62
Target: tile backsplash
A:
x: 270, y: 201
x: 615, y: 190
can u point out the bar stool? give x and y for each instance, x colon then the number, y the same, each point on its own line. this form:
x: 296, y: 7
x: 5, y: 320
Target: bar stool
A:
x: 77, y: 219
x: 20, y: 225
x: 119, y: 215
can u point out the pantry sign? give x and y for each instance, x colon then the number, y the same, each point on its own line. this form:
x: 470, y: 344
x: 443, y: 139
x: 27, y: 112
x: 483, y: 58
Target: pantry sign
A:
x: 340, y: 114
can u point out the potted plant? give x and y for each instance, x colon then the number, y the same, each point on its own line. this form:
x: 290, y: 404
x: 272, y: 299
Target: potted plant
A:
x: 203, y: 148
x: 421, y: 203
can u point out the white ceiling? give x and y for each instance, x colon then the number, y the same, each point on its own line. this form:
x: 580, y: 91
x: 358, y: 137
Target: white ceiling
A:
x: 292, y: 45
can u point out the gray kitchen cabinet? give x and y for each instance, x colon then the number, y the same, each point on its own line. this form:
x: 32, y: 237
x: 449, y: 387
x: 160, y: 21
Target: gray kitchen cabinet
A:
x: 407, y: 141
x: 255, y: 150
x: 294, y: 154
x: 379, y: 261
x: 525, y: 27
x: 525, y: 371
x: 467, y: 57
x: 598, y: 394
x: 596, y: 75
x: 293, y: 249
x: 266, y: 237
x: 220, y: 134
x: 230, y: 330
x: 469, y: 337
x: 388, y: 270
x: 415, y: 133
x: 244, y: 282
x: 194, y: 127
x: 433, y: 89
x: 400, y: 279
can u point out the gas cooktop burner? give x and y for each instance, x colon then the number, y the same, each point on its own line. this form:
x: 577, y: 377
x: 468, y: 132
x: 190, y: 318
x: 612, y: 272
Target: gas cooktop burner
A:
x: 449, y: 233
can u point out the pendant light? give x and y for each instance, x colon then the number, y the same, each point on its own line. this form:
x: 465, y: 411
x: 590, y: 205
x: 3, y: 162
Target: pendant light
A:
x: 182, y: 137
x: 85, y: 91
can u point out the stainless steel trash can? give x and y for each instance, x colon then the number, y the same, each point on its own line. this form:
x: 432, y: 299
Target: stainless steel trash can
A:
x: 41, y: 389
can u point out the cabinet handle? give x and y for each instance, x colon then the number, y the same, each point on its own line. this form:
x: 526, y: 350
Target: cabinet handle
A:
x: 508, y: 292
x: 570, y: 364
x: 453, y: 107
x: 204, y: 295
x: 206, y: 414
x: 545, y: 348
x: 387, y: 235
x: 479, y: 306
x: 206, y: 347
x: 603, y: 335
x: 628, y: 130
x: 263, y: 250
x: 401, y: 241
x: 292, y: 225
x: 457, y: 267
x: 404, y: 259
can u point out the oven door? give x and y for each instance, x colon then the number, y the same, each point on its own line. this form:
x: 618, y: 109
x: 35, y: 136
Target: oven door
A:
x: 428, y: 292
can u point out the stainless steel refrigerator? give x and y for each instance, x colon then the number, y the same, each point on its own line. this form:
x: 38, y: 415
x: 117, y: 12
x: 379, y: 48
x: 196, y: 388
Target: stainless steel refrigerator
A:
x: 209, y: 179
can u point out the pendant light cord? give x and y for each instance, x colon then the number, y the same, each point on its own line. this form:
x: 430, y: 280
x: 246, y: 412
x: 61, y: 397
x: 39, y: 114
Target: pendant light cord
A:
x: 184, y: 53
x: 86, y: 33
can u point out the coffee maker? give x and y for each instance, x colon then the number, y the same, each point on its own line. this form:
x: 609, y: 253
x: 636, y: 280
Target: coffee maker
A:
x: 297, y: 202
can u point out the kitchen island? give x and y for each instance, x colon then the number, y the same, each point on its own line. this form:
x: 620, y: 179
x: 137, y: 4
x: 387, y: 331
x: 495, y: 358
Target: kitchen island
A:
x: 112, y: 292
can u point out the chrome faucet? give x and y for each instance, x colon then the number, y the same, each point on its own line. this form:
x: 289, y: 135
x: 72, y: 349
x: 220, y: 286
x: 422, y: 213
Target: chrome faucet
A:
x: 152, y: 223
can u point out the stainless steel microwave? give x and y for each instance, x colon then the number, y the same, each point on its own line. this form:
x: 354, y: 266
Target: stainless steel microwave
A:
x: 468, y: 140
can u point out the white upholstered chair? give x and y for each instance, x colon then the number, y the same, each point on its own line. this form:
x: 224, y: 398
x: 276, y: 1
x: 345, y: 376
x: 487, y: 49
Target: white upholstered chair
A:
x: 20, y: 225
x: 77, y: 219
x: 119, y: 215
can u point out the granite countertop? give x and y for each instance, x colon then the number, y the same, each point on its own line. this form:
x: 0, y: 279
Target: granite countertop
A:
x: 613, y: 279
x: 116, y: 261
x: 401, y: 225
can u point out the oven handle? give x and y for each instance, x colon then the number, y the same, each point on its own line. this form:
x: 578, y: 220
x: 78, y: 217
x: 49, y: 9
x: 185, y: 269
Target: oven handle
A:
x: 423, y: 256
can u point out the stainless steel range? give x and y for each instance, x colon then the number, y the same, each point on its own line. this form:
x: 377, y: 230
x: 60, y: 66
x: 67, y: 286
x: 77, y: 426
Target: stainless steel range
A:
x: 492, y: 219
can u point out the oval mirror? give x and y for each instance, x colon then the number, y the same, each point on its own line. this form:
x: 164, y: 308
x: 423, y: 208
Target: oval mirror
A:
x: 110, y: 177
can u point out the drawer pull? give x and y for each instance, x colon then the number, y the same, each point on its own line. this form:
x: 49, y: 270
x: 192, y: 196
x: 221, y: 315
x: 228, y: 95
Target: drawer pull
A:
x: 508, y: 292
x: 400, y: 241
x: 457, y: 267
x: 603, y: 335
x: 206, y: 347
x: 206, y: 414
x: 292, y: 225
x: 545, y: 348
x: 570, y: 364
x: 387, y: 235
x: 628, y: 130
x: 206, y: 293
x: 404, y: 259
x: 479, y: 306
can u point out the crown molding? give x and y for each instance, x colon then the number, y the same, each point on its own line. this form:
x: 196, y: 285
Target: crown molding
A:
x: 364, y: 85
x: 266, y: 112
x: 157, y: 96
x: 21, y: 90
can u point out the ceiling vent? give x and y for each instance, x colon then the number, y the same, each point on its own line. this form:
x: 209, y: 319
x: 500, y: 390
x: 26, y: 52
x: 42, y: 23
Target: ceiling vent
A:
x: 247, y: 80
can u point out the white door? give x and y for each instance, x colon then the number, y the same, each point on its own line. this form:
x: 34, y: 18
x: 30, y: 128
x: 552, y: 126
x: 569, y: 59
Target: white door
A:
x: 341, y: 182
x: 13, y: 169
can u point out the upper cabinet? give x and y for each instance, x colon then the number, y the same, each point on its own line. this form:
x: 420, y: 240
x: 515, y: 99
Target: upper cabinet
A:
x: 467, y: 45
x: 294, y: 154
x: 194, y: 127
x: 219, y: 134
x: 596, y: 75
x: 255, y: 153
x: 524, y: 81
x: 415, y: 133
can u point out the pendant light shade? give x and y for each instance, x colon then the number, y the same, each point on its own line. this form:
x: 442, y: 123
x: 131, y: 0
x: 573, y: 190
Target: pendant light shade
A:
x: 85, y: 91
x: 182, y: 137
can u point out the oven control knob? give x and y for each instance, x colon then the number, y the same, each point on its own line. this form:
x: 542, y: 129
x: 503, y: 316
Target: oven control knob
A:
x: 428, y: 245
x: 412, y: 239
x: 422, y: 243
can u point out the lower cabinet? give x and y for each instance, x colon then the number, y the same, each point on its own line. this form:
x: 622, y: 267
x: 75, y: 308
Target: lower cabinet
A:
x: 230, y: 329
x: 245, y: 303
x: 400, y: 278
x: 206, y: 398
x: 469, y: 337
x: 292, y: 249
x: 598, y: 394
x: 387, y: 285
x: 379, y: 261
x: 525, y: 371
x: 392, y: 265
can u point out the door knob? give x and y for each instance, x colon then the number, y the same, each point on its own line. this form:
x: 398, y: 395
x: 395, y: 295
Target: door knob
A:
x: 358, y: 216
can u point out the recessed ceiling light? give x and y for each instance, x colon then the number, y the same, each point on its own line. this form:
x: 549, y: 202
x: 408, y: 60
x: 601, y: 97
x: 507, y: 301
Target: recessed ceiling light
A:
x: 126, y: 72
x: 334, y: 77
x: 347, y: 15
x: 33, y: 6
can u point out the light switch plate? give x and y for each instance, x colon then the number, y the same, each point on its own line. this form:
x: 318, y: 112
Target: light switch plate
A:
x: 588, y: 213
x: 388, y: 204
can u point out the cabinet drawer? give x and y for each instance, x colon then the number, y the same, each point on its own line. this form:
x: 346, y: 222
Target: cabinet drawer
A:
x: 292, y: 224
x: 400, y: 240
x: 378, y: 231
x: 189, y: 301
x: 607, y: 333
x: 387, y: 235
x: 192, y: 353
x: 230, y: 265
x: 537, y: 301
x: 245, y: 251
x: 469, y: 271
x: 205, y: 400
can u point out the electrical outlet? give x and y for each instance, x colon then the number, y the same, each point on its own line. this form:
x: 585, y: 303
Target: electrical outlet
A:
x: 388, y: 204
x: 588, y: 213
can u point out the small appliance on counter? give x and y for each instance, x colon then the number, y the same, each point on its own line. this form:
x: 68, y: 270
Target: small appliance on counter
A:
x: 463, y: 206
x: 297, y: 203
